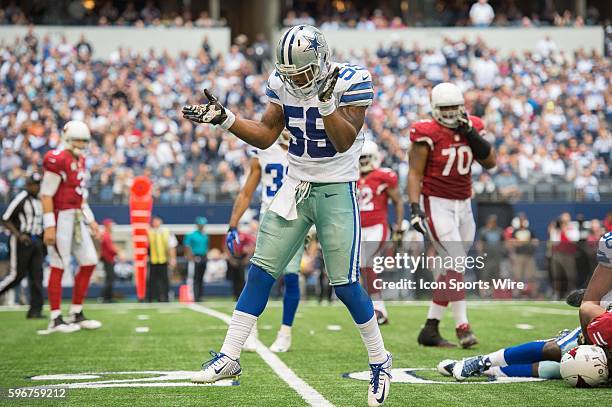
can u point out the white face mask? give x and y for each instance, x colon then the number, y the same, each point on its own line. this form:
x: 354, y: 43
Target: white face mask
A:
x: 448, y: 117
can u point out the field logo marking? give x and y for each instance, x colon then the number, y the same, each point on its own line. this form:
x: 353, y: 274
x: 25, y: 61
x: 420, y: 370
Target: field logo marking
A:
x: 307, y: 392
x: 409, y: 375
x: 154, y: 379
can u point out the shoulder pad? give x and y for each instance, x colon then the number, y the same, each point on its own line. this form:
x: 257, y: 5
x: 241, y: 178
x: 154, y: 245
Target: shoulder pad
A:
x: 354, y: 86
x: 604, y: 250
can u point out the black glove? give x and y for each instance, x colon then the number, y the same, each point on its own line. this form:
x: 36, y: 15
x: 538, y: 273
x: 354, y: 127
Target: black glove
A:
x: 417, y: 218
x: 327, y: 89
x: 212, y: 112
x: 481, y: 148
x: 465, y: 127
x: 25, y: 239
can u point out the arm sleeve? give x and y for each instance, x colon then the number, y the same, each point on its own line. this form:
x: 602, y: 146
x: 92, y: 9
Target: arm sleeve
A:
x: 50, y: 183
x: 8, y: 213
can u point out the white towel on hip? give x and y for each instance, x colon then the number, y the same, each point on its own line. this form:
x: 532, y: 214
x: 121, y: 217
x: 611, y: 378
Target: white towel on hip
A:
x: 284, y: 203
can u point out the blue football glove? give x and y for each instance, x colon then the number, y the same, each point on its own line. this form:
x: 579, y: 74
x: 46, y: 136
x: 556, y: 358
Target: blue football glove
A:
x: 232, y: 239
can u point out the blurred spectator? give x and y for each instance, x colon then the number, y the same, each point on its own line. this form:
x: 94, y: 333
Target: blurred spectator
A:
x: 196, y: 250
x: 507, y: 184
x: 563, y: 235
x: 587, y: 186
x: 489, y: 242
x: 108, y: 254
x: 481, y: 14
x: 524, y: 243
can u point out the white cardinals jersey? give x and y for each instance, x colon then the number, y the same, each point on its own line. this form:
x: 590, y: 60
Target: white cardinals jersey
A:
x: 274, y: 164
x: 312, y: 157
x: 604, y: 257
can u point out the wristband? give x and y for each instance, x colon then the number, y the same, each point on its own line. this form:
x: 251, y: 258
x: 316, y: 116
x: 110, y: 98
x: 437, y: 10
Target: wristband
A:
x: 415, y: 208
x: 327, y: 108
x: 48, y: 220
x: 229, y: 120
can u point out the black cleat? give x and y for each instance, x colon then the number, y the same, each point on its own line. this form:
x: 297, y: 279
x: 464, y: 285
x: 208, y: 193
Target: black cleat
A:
x: 35, y: 315
x: 430, y: 335
x: 574, y: 299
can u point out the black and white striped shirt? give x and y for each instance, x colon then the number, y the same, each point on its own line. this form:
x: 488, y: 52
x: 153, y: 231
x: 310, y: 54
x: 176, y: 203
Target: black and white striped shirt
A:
x: 26, y: 213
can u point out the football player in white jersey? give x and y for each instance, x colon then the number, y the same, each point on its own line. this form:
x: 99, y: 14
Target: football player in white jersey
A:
x: 323, y: 106
x: 270, y: 168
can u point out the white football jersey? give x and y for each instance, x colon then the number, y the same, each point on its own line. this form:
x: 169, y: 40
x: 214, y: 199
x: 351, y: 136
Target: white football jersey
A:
x: 274, y: 164
x: 604, y: 257
x: 312, y: 156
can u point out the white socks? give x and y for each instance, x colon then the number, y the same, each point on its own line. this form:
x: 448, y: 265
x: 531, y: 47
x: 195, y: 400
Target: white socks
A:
x: 76, y: 308
x: 239, y: 329
x: 435, y: 311
x: 379, y: 305
x: 285, y: 330
x: 497, y: 358
x: 373, y: 341
x: 459, y: 309
x: 55, y: 313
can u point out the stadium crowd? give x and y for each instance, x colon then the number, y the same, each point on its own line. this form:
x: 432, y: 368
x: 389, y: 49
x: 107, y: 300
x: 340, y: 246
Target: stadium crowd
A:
x: 329, y: 15
x: 547, y: 113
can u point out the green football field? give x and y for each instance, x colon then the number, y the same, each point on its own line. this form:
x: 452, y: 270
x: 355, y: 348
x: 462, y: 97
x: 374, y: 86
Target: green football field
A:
x: 129, y: 368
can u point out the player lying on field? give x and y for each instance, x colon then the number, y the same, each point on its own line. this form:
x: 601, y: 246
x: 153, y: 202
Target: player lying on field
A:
x: 540, y: 358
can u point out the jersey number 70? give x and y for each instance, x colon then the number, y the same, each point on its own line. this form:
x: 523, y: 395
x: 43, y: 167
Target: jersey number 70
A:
x: 462, y: 155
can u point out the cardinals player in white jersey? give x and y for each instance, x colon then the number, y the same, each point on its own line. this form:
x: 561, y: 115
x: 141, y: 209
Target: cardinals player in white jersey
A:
x: 439, y: 177
x: 269, y: 167
x: 377, y: 186
x: 67, y: 220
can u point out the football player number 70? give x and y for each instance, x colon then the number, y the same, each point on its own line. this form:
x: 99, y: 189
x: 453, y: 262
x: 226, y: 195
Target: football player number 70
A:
x: 462, y: 155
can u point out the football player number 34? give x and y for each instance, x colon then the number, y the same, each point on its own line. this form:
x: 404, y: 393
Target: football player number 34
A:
x: 461, y: 157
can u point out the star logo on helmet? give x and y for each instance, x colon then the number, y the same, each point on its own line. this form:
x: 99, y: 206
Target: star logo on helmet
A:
x: 313, y: 43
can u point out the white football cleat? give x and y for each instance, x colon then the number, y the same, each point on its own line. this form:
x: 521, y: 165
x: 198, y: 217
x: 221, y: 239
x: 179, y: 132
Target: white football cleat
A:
x: 380, y: 382
x: 282, y: 343
x: 219, y: 367
x: 445, y: 368
x: 59, y: 325
x: 474, y: 366
x: 250, y: 345
x: 82, y: 321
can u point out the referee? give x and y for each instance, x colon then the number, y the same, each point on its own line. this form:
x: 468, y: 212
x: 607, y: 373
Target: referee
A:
x: 23, y: 218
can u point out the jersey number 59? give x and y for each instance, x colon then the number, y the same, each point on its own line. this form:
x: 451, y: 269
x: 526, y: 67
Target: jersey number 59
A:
x: 307, y: 137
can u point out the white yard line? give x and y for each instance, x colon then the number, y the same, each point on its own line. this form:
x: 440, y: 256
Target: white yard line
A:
x: 307, y: 392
